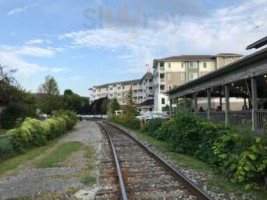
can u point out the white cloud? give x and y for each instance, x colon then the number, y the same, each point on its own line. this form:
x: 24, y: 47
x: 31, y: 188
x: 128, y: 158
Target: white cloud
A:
x: 227, y: 30
x: 12, y: 58
x: 22, y: 9
x: 29, y: 51
x: 37, y: 41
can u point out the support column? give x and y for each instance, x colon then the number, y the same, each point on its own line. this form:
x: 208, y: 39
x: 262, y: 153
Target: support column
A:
x: 177, y: 105
x: 227, y: 104
x: 171, y: 107
x: 254, y: 103
x: 184, y: 104
x: 209, y: 103
x: 195, y: 103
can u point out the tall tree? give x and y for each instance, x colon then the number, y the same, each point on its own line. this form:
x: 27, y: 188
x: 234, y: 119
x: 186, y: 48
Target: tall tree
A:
x: 130, y: 107
x: 114, y: 106
x: 72, y: 101
x: 105, y: 106
x: 48, y: 96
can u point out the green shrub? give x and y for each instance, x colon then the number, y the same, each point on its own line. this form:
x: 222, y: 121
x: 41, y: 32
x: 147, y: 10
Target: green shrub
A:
x: 242, y: 157
x: 36, y: 133
x: 15, y: 111
x: 152, y: 126
x: 127, y: 120
x: 235, y: 152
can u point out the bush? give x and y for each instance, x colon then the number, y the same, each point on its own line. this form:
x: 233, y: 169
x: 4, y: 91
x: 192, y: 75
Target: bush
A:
x: 36, y: 133
x: 152, y: 126
x: 127, y: 120
x: 235, y: 152
x: 15, y: 111
x: 242, y: 157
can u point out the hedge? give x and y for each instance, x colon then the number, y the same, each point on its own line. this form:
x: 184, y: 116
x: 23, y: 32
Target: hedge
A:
x: 33, y: 132
x: 128, y: 120
x: 235, y: 152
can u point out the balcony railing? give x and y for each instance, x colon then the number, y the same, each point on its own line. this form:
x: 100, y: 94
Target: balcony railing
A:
x: 239, y: 118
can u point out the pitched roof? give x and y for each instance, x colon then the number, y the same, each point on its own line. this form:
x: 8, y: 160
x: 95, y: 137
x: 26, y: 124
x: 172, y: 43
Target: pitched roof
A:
x: 258, y: 44
x: 186, y: 57
x: 148, y: 102
x: 148, y: 75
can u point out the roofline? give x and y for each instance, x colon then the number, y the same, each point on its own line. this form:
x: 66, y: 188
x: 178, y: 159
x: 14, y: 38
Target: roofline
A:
x: 258, y: 43
x: 240, y: 63
x: 121, y: 82
x: 171, y: 59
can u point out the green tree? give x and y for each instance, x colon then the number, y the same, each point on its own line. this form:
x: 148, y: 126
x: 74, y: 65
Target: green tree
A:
x: 130, y: 107
x: 48, y: 96
x: 20, y: 104
x: 72, y: 101
x: 105, y: 106
x: 114, y: 106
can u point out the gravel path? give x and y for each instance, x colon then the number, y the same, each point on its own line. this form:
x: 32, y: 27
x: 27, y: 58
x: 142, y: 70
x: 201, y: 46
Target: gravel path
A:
x: 32, y: 181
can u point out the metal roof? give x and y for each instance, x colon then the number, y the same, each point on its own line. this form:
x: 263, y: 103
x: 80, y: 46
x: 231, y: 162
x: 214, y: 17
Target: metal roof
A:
x: 258, y: 44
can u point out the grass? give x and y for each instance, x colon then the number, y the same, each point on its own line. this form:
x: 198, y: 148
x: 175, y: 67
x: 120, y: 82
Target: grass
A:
x: 3, y: 131
x: 88, y: 180
x: 14, y: 162
x: 59, y: 155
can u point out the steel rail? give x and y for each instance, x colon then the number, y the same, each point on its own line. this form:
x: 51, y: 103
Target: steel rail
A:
x: 200, y: 194
x: 122, y: 185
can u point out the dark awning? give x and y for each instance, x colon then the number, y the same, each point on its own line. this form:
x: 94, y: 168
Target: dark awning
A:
x: 258, y: 44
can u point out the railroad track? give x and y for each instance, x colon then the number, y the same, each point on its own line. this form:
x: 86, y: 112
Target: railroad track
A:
x: 136, y: 172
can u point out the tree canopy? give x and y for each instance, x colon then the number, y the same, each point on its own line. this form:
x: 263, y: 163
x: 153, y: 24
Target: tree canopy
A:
x: 48, y: 96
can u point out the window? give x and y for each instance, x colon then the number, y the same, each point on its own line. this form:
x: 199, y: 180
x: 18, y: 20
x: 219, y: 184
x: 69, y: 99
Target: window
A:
x: 193, y: 76
x: 204, y: 65
x: 169, y: 77
x: 119, y: 88
x: 123, y: 87
x: 98, y: 90
x: 193, y: 65
x: 110, y: 88
x: 163, y: 101
x: 170, y: 65
x: 182, y: 76
x: 182, y: 65
x: 150, y: 88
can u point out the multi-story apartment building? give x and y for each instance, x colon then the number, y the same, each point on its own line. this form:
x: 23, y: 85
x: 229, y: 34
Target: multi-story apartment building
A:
x: 177, y: 70
x: 142, y: 90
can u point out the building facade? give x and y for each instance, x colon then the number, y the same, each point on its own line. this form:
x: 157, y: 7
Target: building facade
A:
x: 142, y: 90
x: 177, y: 70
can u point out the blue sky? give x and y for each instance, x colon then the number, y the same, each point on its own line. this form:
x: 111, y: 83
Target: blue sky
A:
x: 89, y: 42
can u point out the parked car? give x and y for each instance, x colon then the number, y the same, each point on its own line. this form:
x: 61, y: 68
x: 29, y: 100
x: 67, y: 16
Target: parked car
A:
x: 148, y: 116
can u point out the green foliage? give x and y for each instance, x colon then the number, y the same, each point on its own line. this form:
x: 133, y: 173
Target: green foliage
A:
x: 15, y: 111
x: 152, y: 126
x: 105, y: 106
x: 242, y: 158
x: 127, y: 120
x: 235, y: 152
x: 130, y: 107
x: 114, y: 106
x: 48, y: 96
x: 72, y: 101
x: 35, y: 133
